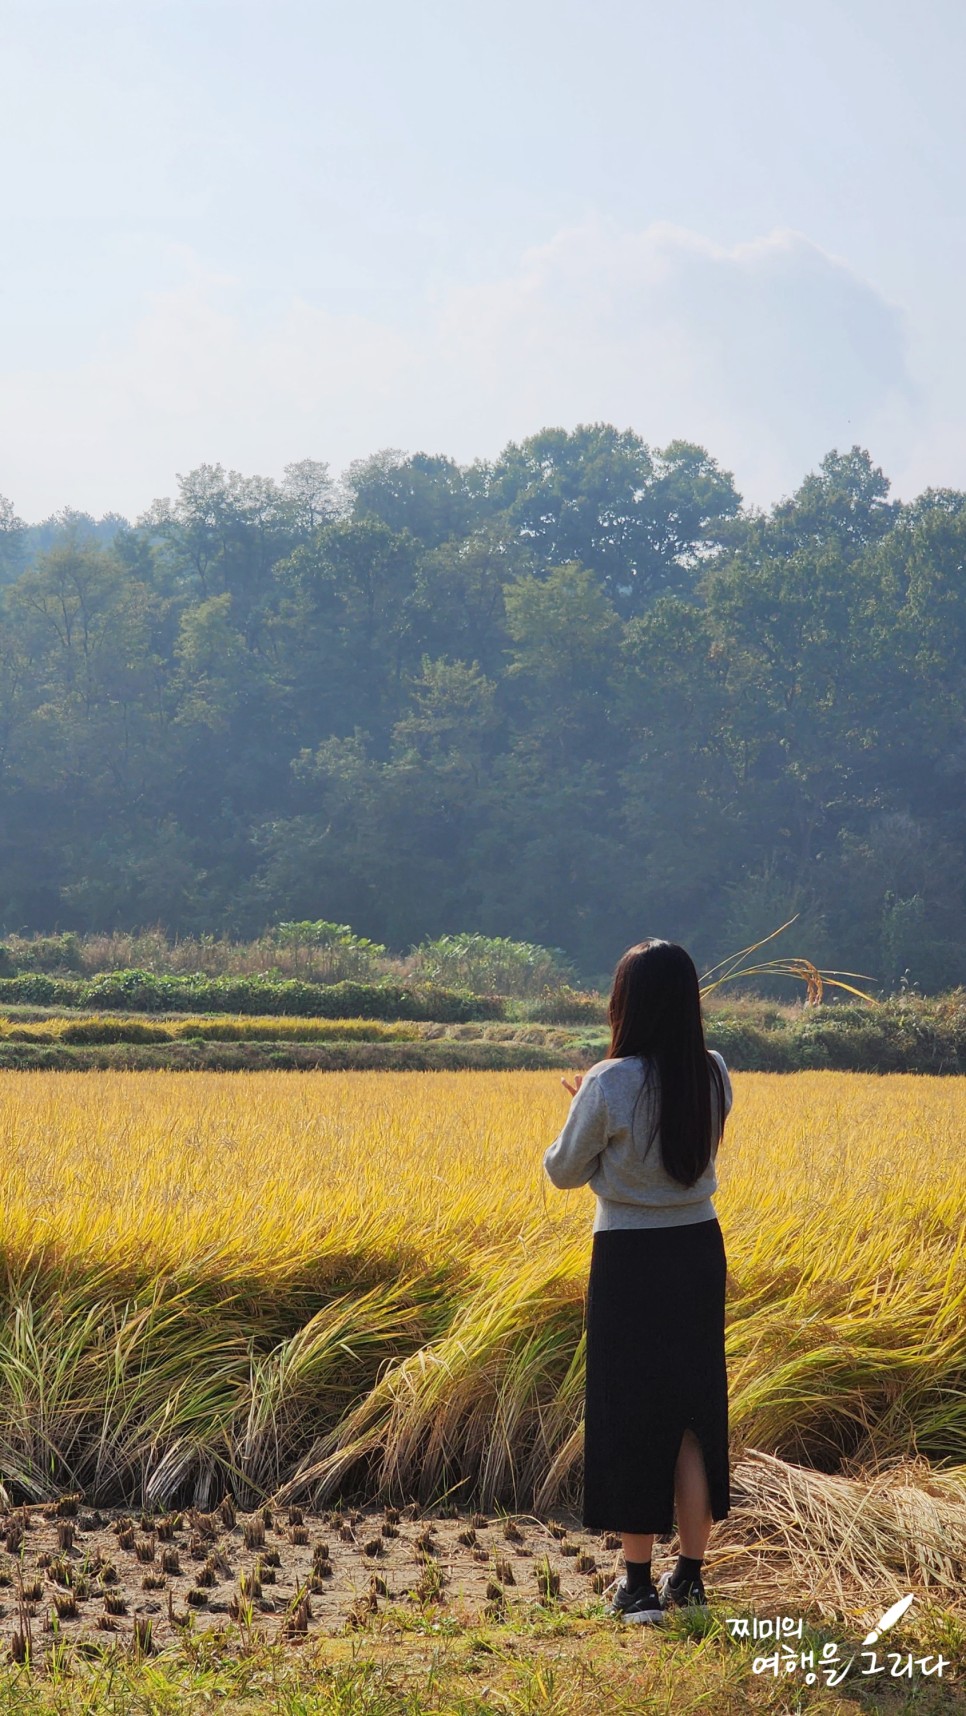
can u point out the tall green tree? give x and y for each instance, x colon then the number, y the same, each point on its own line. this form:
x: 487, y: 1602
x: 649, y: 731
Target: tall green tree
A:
x: 600, y: 497
x: 12, y: 544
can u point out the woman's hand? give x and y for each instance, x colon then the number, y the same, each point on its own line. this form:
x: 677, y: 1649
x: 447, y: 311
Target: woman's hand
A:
x: 573, y: 1088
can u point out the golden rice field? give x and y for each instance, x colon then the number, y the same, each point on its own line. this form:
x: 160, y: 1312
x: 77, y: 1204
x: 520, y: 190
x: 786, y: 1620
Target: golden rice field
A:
x: 351, y: 1283
x: 272, y: 1028
x: 227, y: 1027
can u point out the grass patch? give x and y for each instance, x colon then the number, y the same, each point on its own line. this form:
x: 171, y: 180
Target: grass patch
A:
x: 573, y: 1666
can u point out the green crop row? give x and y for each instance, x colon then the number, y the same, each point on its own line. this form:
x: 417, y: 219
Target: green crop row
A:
x: 444, y: 1054
x: 149, y: 992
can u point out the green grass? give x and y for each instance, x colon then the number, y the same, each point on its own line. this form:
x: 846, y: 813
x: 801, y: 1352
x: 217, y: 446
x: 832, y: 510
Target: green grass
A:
x: 548, y: 1662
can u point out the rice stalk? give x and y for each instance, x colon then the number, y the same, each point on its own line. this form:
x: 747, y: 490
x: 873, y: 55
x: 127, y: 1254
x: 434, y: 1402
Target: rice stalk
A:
x: 468, y: 1410
x: 842, y: 1533
x: 358, y: 1279
x: 801, y: 970
x: 317, y: 1372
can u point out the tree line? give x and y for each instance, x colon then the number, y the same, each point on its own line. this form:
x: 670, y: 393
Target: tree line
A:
x: 573, y: 695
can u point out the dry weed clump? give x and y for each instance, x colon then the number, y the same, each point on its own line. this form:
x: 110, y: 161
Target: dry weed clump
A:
x: 362, y: 1282
x: 833, y: 1540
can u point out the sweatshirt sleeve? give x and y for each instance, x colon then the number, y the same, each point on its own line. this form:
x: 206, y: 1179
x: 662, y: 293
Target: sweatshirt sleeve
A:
x: 726, y: 1082
x: 573, y: 1157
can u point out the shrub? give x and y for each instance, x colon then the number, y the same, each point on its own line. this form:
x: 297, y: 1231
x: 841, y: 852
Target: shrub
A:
x: 747, y: 1047
x: 567, y: 1006
x: 50, y: 953
x: 894, y: 1037
x: 134, y: 991
x: 328, y: 951
x: 39, y: 990
x: 138, y: 991
x: 488, y: 964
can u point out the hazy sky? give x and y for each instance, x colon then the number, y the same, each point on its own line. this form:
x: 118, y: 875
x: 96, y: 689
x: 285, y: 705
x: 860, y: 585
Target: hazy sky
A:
x: 254, y: 231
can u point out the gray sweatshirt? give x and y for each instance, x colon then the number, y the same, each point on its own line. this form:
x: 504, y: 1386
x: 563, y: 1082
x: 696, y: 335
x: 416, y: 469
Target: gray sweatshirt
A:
x: 595, y: 1148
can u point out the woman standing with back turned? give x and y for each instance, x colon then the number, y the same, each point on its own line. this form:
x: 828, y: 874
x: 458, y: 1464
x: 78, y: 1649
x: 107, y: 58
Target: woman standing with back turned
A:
x: 643, y: 1131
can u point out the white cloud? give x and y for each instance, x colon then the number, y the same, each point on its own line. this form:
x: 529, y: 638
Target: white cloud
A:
x: 768, y: 353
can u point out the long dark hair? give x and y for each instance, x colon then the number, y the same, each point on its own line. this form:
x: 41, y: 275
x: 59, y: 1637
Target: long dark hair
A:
x: 655, y: 1012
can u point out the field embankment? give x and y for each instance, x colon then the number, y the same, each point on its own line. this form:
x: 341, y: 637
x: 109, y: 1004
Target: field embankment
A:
x: 394, y: 1029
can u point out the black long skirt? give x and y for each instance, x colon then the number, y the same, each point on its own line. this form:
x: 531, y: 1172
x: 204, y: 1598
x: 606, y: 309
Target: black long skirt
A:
x: 655, y: 1366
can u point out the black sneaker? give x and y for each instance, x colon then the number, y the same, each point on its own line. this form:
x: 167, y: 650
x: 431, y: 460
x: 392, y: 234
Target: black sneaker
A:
x: 642, y: 1605
x: 689, y: 1594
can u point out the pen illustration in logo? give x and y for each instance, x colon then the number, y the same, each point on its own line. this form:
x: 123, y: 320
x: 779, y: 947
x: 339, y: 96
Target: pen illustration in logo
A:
x: 888, y: 1619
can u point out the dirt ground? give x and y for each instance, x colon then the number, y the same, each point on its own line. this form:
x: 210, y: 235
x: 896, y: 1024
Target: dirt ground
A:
x: 71, y: 1571
x: 95, y: 1573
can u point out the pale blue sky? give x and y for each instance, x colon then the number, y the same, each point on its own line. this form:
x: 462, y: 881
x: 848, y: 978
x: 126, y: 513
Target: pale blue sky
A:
x: 254, y: 231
